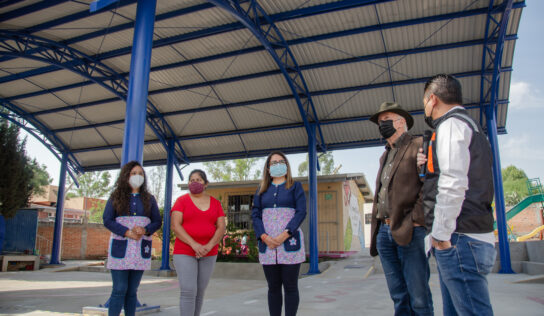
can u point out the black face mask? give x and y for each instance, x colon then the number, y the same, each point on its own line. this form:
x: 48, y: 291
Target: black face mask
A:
x: 386, y: 129
x: 429, y: 119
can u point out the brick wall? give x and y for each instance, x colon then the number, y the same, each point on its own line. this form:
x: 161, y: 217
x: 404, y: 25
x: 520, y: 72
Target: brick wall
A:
x: 81, y: 241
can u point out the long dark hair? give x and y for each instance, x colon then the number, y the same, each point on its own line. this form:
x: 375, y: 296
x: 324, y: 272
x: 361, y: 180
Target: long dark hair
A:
x: 265, y: 182
x: 122, y: 190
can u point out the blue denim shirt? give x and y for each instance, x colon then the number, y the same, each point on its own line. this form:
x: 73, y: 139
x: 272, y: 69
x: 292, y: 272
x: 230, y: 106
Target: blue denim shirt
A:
x: 136, y: 208
x: 279, y: 196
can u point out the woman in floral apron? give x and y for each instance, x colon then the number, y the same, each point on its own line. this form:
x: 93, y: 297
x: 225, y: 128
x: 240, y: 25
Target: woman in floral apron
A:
x: 279, y: 207
x: 132, y: 216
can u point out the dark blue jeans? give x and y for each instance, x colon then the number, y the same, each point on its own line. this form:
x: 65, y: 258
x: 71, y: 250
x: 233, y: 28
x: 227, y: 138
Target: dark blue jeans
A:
x: 463, y: 269
x: 276, y: 276
x: 407, y: 272
x: 123, y: 294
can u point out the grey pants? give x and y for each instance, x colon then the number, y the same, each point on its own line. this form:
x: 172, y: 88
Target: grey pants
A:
x: 193, y: 275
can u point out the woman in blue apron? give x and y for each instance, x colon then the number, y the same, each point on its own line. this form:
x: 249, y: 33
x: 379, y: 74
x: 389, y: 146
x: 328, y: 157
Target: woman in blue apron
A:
x: 279, y: 207
x: 132, y: 216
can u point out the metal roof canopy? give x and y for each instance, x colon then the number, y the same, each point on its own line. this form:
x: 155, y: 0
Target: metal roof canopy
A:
x: 221, y: 93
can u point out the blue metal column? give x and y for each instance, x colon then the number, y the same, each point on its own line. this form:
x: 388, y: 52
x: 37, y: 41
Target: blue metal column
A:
x: 504, y: 247
x: 165, y: 265
x: 312, y: 189
x: 59, y: 214
x: 133, y: 141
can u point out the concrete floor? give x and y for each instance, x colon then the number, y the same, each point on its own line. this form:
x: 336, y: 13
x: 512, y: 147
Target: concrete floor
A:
x: 348, y: 287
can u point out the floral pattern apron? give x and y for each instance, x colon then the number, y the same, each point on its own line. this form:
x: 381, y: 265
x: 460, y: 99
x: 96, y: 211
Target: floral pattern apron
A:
x: 130, y: 254
x: 292, y: 251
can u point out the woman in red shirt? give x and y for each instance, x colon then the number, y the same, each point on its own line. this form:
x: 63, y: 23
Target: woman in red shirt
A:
x: 198, y: 221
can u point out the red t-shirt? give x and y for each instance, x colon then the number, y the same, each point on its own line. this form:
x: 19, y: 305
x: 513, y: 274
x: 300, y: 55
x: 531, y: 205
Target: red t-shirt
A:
x: 200, y: 225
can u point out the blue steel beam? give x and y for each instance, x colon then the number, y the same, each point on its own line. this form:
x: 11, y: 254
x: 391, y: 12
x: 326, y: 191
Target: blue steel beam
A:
x: 165, y: 254
x: 275, y: 72
x: 16, y: 44
x: 134, y: 133
x: 234, y: 26
x: 268, y: 129
x: 312, y: 192
x: 59, y: 214
x: 492, y: 60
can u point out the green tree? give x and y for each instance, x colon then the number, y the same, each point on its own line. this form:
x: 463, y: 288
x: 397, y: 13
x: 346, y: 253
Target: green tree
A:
x: 514, y: 181
x: 41, y: 177
x: 234, y: 170
x: 16, y: 184
x: 93, y: 184
x: 156, y: 177
x: 219, y: 170
x: 97, y: 211
x: 326, y: 162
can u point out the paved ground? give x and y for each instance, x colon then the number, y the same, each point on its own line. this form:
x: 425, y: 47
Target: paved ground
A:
x: 347, y: 287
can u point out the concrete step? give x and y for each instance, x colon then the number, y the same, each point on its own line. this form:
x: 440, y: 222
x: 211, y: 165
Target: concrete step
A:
x: 533, y: 268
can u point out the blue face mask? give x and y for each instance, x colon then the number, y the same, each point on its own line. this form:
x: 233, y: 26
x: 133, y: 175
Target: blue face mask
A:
x: 278, y: 170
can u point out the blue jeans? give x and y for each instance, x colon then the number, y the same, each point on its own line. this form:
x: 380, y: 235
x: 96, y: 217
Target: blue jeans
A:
x: 407, y: 272
x: 463, y: 269
x: 125, y: 286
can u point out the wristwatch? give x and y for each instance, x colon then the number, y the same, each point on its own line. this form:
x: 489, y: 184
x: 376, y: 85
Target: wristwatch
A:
x: 289, y: 232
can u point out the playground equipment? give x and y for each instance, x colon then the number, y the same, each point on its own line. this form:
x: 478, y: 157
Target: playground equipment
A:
x: 531, y: 234
x: 536, y: 195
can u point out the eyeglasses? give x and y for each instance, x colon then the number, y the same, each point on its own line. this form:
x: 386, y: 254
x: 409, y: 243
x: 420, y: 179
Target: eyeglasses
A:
x: 383, y: 121
x: 274, y: 162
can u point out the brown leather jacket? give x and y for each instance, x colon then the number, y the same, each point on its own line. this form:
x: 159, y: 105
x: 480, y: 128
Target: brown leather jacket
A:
x: 404, y: 194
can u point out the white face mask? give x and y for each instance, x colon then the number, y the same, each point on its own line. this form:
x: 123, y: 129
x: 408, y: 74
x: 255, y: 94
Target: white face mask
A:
x: 136, y: 181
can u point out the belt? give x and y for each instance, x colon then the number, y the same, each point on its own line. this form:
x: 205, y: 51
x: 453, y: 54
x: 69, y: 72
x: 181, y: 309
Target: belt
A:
x: 386, y: 221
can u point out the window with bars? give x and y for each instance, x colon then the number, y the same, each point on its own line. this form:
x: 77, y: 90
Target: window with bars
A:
x: 239, y: 211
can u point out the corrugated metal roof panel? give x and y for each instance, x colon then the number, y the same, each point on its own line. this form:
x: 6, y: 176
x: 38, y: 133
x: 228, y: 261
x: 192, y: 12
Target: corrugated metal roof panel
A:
x: 328, y: 23
x: 216, y: 44
x: 201, y: 123
x: 99, y: 157
x: 194, y: 21
x: 338, y: 48
x: 266, y: 114
x: 107, y: 43
x: 215, y: 145
x: 186, y: 99
x: 252, y: 89
x: 428, y: 64
x: 18, y: 65
x: 17, y: 5
x: 83, y: 26
x: 411, y: 9
x: 292, y: 137
x: 82, y: 139
x: 350, y: 104
x: 347, y: 75
x: 350, y: 132
x: 54, y: 79
x: 42, y: 16
x: 81, y: 95
x: 237, y: 66
x: 438, y: 33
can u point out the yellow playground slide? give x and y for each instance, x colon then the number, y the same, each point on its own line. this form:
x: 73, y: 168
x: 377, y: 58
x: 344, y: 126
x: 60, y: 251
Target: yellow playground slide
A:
x: 531, y: 234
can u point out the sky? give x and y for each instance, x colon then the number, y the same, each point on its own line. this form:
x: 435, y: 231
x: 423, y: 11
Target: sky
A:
x: 522, y: 146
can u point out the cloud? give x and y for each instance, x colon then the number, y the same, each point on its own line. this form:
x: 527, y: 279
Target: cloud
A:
x: 521, y: 147
x: 524, y: 95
